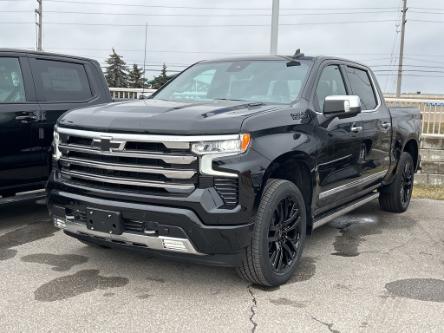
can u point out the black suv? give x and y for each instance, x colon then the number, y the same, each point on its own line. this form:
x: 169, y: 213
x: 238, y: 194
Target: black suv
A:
x: 36, y: 88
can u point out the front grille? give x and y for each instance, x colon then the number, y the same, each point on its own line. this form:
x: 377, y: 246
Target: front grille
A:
x: 228, y: 189
x: 128, y: 162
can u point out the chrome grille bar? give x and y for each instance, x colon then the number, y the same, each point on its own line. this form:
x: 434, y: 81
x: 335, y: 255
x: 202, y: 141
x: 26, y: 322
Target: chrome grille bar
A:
x: 167, y: 158
x: 169, y: 173
x: 183, y: 139
x: 171, y: 187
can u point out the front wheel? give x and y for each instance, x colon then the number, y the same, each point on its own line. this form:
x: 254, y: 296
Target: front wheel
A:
x: 278, y: 237
x: 396, y: 196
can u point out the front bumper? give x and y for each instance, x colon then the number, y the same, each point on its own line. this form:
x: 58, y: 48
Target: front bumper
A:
x: 166, y: 230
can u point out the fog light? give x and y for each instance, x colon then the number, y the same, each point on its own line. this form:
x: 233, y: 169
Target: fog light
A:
x: 174, y: 245
x: 59, y: 222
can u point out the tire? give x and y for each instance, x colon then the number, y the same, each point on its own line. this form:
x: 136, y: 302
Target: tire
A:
x: 92, y: 244
x: 396, y: 196
x: 276, y: 247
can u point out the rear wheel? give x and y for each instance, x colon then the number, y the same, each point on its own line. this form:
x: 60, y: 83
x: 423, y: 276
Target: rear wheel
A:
x: 396, y: 196
x: 278, y: 236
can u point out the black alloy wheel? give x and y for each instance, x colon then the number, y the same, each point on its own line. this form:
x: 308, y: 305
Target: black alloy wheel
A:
x: 395, y: 197
x: 406, y: 183
x: 278, y: 236
x: 284, y: 235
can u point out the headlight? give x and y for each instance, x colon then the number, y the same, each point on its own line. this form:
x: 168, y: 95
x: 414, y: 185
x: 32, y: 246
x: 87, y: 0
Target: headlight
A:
x: 210, y: 150
x: 232, y: 146
x: 55, y: 146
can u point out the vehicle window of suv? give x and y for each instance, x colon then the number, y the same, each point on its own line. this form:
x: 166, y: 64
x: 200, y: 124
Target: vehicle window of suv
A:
x: 330, y: 83
x: 62, y: 81
x: 267, y: 81
x: 12, y: 89
x: 361, y: 86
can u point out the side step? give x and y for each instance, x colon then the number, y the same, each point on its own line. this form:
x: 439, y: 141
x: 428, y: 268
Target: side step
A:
x: 24, y: 196
x: 344, y: 210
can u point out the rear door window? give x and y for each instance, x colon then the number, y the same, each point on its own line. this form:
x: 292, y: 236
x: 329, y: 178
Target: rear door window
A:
x: 12, y: 89
x: 60, y: 81
x: 361, y: 85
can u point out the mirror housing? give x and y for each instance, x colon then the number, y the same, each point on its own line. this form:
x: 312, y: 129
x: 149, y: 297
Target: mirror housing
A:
x: 342, y: 105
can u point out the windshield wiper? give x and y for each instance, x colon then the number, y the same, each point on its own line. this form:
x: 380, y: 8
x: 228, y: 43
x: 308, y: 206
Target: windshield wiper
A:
x: 250, y: 103
x: 230, y: 99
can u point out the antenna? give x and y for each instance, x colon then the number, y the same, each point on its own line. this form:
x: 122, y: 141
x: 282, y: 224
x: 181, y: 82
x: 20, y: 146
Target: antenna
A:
x: 298, y: 54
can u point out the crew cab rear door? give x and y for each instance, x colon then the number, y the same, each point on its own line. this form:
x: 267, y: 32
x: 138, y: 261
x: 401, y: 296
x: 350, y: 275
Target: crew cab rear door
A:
x: 374, y: 160
x: 19, y: 111
x: 61, y: 84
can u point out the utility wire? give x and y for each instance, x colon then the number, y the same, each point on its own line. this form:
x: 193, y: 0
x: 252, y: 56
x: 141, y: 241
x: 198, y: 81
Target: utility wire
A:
x: 424, y: 8
x: 407, y: 70
x: 208, y: 8
x: 423, y: 12
x: 428, y: 21
x: 411, y: 75
x: 149, y: 6
x: 200, y: 25
x: 213, y: 25
x: 413, y: 66
x: 5, y: 22
x: 161, y: 51
x: 422, y: 59
x: 16, y: 11
x: 212, y: 15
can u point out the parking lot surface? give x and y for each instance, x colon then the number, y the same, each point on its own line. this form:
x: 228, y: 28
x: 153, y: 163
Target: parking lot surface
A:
x: 367, y: 271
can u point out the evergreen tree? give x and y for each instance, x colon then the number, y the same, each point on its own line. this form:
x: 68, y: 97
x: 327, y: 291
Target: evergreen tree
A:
x: 161, y: 79
x: 163, y: 73
x: 135, y: 77
x: 116, y: 73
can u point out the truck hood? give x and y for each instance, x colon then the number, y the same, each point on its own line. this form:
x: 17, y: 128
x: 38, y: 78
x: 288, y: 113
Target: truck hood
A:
x: 165, y: 117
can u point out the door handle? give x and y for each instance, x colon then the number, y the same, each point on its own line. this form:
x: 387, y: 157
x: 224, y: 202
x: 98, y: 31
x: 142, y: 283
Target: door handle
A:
x: 356, y: 129
x: 386, y: 125
x: 26, y: 118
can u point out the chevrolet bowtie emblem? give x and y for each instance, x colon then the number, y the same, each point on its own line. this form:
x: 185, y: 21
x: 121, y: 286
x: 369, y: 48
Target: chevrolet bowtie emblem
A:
x: 107, y: 144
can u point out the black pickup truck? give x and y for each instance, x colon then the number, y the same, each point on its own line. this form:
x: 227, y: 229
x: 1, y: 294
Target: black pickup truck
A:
x: 234, y: 162
x: 35, y: 89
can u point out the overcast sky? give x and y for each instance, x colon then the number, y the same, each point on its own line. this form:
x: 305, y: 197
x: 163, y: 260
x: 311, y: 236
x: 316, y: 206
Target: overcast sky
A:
x: 317, y: 27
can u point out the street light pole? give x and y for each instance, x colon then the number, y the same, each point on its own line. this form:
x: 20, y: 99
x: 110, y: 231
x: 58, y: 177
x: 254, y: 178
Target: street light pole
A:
x: 274, y: 27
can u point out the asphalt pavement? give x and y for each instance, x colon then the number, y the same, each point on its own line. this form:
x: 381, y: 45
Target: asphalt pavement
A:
x: 368, y: 271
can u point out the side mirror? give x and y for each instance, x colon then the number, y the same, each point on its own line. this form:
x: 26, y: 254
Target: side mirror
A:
x: 342, y: 105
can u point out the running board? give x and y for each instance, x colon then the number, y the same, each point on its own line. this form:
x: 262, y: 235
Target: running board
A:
x: 345, y: 210
x: 25, y: 196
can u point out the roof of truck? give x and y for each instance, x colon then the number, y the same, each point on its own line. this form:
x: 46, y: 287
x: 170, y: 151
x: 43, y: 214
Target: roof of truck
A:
x: 282, y: 57
x: 43, y: 53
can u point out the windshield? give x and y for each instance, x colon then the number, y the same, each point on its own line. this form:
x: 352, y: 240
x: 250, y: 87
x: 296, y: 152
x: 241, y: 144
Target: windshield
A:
x: 267, y: 81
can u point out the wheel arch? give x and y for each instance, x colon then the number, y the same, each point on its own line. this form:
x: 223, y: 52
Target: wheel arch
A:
x: 411, y: 146
x: 297, y: 167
